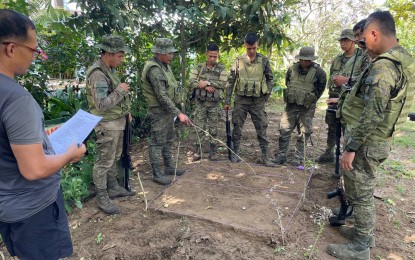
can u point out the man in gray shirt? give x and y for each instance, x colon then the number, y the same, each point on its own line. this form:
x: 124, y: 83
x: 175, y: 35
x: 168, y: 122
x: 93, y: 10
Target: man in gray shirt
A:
x: 33, y: 221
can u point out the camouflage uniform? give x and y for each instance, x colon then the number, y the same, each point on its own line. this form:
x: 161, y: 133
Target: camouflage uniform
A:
x: 375, y: 106
x: 107, y: 99
x: 300, y: 104
x: 250, y: 97
x: 336, y: 68
x: 159, y: 90
x: 207, y: 105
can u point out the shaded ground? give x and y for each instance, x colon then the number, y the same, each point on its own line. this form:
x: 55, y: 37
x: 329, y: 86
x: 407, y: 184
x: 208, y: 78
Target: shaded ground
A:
x: 241, y: 211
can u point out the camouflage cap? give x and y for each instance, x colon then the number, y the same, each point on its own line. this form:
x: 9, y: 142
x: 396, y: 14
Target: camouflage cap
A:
x: 306, y: 53
x: 113, y: 44
x: 347, y: 34
x: 163, y: 46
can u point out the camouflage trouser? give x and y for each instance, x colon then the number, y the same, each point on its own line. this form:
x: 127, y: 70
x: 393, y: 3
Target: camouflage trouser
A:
x: 206, y: 116
x: 360, y: 182
x: 162, y: 135
x: 331, y: 122
x: 255, y: 106
x: 295, y: 115
x: 109, y: 149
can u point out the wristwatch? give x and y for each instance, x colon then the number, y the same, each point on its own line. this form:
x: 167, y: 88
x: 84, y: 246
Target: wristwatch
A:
x: 350, y: 150
x: 209, y: 84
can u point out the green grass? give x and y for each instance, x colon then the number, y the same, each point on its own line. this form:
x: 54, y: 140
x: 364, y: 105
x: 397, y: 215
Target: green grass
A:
x: 396, y: 169
x: 406, y: 135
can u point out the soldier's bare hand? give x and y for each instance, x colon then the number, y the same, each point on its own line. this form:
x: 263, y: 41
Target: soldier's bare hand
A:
x: 125, y: 87
x: 184, y: 119
x: 77, y: 151
x: 332, y: 101
x: 340, y: 80
x: 202, y: 84
x: 226, y: 107
x: 130, y: 118
x: 346, y: 160
x: 210, y: 89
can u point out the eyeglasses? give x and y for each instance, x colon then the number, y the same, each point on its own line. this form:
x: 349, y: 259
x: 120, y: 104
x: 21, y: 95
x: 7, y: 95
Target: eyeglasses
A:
x: 35, y: 52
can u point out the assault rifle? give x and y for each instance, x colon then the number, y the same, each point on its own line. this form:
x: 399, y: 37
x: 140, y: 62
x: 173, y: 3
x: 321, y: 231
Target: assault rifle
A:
x: 339, y: 219
x: 228, y: 136
x: 126, y: 154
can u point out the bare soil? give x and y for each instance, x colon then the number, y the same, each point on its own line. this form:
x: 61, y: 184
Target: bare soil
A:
x: 224, y: 210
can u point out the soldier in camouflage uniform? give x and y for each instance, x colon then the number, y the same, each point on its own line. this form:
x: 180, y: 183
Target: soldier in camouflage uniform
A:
x: 376, y: 105
x: 354, y: 65
x: 208, y: 80
x: 108, y: 97
x: 347, y: 44
x: 252, y: 78
x: 160, y: 90
x: 305, y: 81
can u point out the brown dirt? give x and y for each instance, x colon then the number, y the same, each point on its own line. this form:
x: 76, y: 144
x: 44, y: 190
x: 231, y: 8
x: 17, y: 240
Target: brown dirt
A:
x: 237, y: 211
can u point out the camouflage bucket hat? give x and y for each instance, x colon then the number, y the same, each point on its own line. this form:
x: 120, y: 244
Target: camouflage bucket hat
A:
x: 306, y: 53
x: 347, y: 34
x: 113, y: 44
x: 163, y: 46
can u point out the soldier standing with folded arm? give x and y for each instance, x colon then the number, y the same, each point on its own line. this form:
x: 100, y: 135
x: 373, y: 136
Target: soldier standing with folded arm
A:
x: 208, y: 81
x: 108, y: 97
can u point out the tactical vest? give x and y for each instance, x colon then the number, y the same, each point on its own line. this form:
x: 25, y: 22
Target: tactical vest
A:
x: 251, y: 80
x: 214, y: 74
x: 172, y: 86
x: 300, y: 89
x: 398, y: 106
x: 336, y: 69
x: 118, y: 110
x: 357, y: 60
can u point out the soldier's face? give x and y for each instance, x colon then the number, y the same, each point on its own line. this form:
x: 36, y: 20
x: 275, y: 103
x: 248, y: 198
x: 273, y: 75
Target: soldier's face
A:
x: 251, y: 49
x: 359, y: 36
x: 116, y: 59
x: 346, y: 44
x: 212, y: 57
x: 305, y: 64
x: 166, y: 58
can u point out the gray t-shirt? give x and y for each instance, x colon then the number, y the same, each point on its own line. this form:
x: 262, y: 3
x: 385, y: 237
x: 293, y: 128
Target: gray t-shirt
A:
x: 21, y: 122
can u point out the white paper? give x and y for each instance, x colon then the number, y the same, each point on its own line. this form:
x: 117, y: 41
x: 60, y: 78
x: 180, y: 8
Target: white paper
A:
x: 75, y: 130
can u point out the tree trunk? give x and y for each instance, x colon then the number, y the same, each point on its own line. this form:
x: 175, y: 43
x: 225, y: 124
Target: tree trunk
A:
x: 183, y: 48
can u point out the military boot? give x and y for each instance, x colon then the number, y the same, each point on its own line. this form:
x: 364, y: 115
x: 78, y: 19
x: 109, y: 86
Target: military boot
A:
x: 282, y: 150
x: 197, y: 155
x: 169, y: 166
x: 213, y: 156
x: 349, y: 232
x: 116, y: 191
x: 159, y: 177
x: 104, y: 202
x: 235, y: 155
x: 326, y: 157
x: 265, y: 159
x: 358, y: 249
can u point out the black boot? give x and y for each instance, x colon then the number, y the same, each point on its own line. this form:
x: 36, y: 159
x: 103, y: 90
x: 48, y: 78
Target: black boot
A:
x: 169, y: 166
x: 159, y: 177
x: 213, y: 156
x: 235, y: 155
x: 116, y: 191
x: 104, y: 202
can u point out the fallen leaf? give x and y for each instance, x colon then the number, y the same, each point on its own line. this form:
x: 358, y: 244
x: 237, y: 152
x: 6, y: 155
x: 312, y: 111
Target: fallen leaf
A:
x: 393, y: 256
x: 409, y: 239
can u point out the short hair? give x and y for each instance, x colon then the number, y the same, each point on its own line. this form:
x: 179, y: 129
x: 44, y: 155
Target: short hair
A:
x: 360, y: 26
x: 212, y: 47
x: 384, y: 21
x: 14, y: 25
x: 251, y: 38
